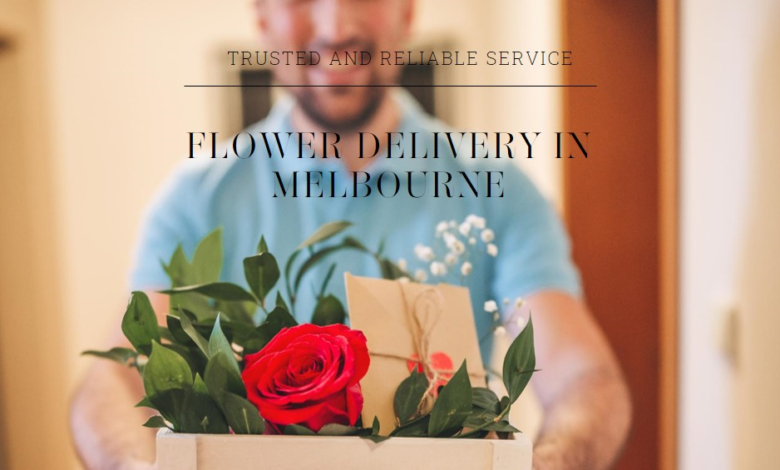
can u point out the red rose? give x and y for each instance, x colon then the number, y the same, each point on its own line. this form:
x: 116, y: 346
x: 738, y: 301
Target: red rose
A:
x: 309, y: 375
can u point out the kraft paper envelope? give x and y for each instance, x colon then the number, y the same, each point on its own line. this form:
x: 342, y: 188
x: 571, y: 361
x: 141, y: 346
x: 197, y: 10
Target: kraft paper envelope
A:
x: 396, y: 317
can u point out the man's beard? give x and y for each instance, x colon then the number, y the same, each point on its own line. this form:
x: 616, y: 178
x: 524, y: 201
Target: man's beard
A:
x: 313, y: 110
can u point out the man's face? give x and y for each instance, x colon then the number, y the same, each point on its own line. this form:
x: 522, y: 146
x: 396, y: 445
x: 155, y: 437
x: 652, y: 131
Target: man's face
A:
x: 332, y: 27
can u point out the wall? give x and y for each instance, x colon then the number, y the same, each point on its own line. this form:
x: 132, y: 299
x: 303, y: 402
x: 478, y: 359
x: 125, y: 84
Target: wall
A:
x: 729, y: 212
x: 33, y: 371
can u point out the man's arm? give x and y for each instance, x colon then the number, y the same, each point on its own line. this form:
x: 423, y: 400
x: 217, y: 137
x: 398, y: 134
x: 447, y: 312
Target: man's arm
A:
x: 106, y: 427
x: 587, y: 406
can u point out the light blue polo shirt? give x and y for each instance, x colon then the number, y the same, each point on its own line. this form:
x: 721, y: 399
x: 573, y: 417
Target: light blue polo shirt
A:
x: 237, y: 194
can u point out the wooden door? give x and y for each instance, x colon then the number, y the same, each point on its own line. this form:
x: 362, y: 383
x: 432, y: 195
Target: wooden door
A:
x: 620, y: 201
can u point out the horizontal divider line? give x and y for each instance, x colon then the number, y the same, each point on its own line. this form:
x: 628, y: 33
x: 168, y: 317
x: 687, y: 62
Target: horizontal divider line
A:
x: 391, y: 86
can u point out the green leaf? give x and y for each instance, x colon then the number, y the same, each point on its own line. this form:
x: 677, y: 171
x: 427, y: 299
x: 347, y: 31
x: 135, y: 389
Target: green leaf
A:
x: 179, y: 269
x: 156, y: 422
x: 144, y: 403
x: 262, y: 246
x: 325, y: 281
x: 200, y: 414
x: 519, y: 362
x: 219, y: 343
x: 139, y: 324
x: 222, y: 376
x: 242, y: 416
x: 485, y: 399
x: 165, y: 370
x: 453, y: 405
x: 120, y: 355
x: 417, y: 427
x: 297, y: 430
x: 225, y: 291
x: 280, y: 301
x: 325, y: 232
x: 278, y: 319
x: 329, y: 311
x: 193, y: 334
x: 239, y: 312
x: 390, y: 270
x: 207, y: 259
x: 409, y: 395
x: 262, y: 273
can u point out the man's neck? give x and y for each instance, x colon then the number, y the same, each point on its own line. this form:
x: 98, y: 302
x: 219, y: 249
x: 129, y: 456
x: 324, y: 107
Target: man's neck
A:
x: 386, y: 119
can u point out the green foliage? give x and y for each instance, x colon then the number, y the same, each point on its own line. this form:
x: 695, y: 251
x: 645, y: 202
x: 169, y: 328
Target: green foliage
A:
x: 139, y: 324
x: 453, y: 405
x: 519, y: 362
x: 409, y: 395
x: 192, y: 376
x: 328, y: 311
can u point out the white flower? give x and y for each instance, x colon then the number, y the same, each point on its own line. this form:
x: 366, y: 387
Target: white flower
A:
x: 506, y: 301
x: 425, y: 253
x: 490, y: 306
x: 492, y: 250
x: 449, y: 239
x: 520, y: 322
x: 420, y: 275
x: 500, y: 331
x: 438, y: 268
x: 519, y: 302
x: 472, y: 241
x: 458, y: 247
x: 403, y: 280
x: 464, y: 229
x: 453, y: 224
x: 478, y: 222
x: 402, y: 264
x: 442, y: 227
x: 487, y: 235
x: 465, y: 268
x: 451, y: 259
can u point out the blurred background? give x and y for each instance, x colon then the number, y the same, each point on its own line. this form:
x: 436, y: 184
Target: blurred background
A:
x: 674, y: 215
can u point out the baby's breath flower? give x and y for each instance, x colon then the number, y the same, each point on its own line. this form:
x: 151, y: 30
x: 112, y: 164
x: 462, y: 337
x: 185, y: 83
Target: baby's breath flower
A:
x: 487, y: 235
x: 451, y: 258
x: 425, y: 253
x: 465, y: 268
x: 472, y: 241
x: 403, y: 280
x: 500, y: 331
x: 519, y: 302
x: 506, y: 301
x: 478, y: 222
x: 490, y: 306
x: 420, y: 275
x: 402, y: 264
x: 520, y: 322
x: 453, y: 224
x: 449, y: 239
x: 464, y: 229
x: 492, y: 250
x: 438, y: 268
x: 458, y: 247
x: 442, y: 227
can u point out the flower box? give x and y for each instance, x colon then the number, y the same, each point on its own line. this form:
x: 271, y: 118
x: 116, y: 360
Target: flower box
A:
x: 214, y: 451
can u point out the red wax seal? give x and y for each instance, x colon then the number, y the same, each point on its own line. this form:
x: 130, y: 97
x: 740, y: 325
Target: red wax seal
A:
x: 439, y: 362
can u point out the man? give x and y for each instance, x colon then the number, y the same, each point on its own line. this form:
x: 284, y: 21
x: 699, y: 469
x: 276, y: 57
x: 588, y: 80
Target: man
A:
x: 585, y: 399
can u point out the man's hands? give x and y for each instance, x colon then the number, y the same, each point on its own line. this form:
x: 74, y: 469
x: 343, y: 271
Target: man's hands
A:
x: 106, y: 426
x: 585, y: 398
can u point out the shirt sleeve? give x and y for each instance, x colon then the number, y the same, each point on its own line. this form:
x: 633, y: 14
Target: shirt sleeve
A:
x: 533, y: 247
x: 172, y: 218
